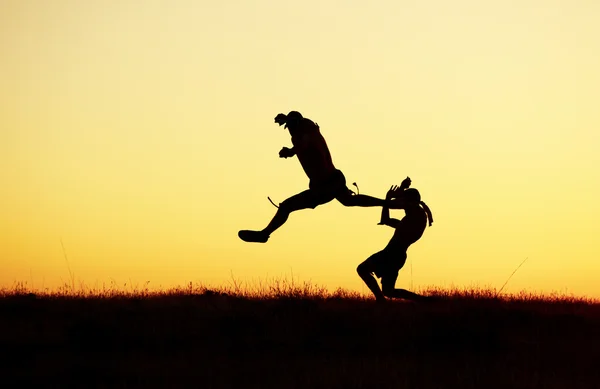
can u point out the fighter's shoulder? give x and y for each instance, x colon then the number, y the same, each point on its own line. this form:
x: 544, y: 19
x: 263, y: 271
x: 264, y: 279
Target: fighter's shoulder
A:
x: 309, y: 125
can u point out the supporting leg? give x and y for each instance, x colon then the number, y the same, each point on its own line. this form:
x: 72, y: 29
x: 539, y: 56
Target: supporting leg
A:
x: 403, y: 294
x: 365, y: 271
x: 389, y: 290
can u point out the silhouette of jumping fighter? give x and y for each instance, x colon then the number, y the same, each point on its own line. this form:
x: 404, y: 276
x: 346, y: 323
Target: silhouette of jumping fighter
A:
x: 386, y: 263
x: 326, y: 182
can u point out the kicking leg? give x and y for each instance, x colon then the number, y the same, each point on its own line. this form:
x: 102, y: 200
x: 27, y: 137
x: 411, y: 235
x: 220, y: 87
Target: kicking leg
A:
x: 351, y: 200
x: 303, y: 200
x: 348, y: 199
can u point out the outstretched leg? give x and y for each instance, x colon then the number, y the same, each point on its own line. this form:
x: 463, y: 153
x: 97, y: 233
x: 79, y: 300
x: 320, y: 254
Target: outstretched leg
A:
x: 303, y: 200
x: 351, y: 200
x: 348, y: 199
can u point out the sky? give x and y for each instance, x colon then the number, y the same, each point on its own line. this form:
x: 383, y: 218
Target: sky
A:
x: 139, y: 136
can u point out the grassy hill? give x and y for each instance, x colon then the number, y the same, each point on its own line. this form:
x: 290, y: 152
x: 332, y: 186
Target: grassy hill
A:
x: 296, y: 337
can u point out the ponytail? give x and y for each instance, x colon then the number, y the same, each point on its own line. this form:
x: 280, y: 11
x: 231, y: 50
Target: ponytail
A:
x: 428, y: 212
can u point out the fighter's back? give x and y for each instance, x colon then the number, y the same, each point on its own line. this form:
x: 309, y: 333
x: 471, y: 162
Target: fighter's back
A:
x: 312, y: 151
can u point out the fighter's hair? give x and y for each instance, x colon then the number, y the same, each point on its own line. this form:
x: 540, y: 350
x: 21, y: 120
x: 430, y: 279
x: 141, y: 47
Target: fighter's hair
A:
x: 428, y: 212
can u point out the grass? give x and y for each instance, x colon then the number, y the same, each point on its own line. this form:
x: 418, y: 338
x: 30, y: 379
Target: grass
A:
x: 286, y: 334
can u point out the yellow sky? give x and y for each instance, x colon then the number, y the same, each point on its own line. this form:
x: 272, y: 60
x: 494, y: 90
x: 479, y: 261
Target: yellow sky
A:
x: 142, y: 135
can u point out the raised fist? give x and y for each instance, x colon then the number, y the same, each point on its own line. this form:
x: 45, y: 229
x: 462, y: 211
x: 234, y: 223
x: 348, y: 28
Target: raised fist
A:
x: 286, y: 153
x: 280, y: 119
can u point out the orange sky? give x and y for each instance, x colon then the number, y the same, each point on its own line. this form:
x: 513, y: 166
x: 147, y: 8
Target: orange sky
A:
x: 142, y: 135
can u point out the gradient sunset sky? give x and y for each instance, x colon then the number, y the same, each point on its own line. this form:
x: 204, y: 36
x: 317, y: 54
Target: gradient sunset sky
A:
x: 141, y: 134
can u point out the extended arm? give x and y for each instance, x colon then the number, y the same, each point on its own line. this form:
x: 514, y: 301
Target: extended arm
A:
x: 394, y: 199
x: 386, y: 220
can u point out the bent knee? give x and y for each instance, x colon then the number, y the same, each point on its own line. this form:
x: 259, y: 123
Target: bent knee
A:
x: 346, y: 200
x: 363, y: 269
x: 345, y: 203
x: 291, y: 206
x: 360, y: 269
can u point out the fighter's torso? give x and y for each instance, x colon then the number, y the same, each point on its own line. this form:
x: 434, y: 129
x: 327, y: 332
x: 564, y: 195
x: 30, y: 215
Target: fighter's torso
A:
x: 411, y: 228
x: 312, y: 151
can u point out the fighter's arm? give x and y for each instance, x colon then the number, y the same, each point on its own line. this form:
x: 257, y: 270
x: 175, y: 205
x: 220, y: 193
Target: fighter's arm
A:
x: 286, y: 152
x: 396, y: 200
x: 299, y: 141
x: 386, y: 220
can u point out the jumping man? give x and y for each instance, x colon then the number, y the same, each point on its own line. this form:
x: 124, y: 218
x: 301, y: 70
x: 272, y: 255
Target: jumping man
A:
x: 326, y: 182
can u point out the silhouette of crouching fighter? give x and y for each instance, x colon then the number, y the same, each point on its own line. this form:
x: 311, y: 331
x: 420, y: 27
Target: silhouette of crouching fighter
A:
x: 387, y: 263
x: 326, y: 182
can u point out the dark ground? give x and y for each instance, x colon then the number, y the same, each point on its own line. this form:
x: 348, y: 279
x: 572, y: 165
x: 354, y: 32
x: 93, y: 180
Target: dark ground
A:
x: 219, y: 341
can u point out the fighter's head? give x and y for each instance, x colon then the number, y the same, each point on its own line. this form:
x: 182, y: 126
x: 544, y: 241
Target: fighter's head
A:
x: 412, y: 196
x: 292, y: 120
